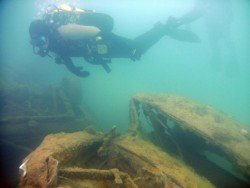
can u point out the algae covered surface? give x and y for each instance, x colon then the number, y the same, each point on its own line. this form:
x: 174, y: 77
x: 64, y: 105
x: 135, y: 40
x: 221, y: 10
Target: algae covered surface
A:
x: 203, y: 120
x: 134, y: 159
x: 173, y: 168
x: 130, y: 162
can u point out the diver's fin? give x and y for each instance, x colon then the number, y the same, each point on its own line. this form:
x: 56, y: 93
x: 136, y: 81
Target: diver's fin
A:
x: 184, y: 35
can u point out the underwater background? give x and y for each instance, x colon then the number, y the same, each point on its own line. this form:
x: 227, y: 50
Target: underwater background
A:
x: 170, y: 66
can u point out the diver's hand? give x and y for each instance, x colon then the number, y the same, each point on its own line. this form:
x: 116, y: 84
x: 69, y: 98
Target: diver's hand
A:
x: 77, y: 70
x: 82, y: 73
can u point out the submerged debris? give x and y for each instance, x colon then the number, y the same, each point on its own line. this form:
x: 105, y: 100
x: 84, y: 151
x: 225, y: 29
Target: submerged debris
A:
x: 23, y: 169
x: 129, y: 163
x: 30, y: 110
x: 215, y: 128
x: 135, y: 160
x: 26, y: 110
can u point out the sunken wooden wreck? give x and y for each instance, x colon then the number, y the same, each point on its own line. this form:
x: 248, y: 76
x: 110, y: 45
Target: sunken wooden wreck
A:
x: 139, y: 159
x: 215, y: 128
x: 28, y: 109
x: 90, y: 159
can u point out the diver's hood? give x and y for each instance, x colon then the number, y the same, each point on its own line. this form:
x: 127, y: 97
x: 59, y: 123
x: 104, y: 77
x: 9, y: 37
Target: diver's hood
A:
x: 39, y: 32
x: 38, y: 28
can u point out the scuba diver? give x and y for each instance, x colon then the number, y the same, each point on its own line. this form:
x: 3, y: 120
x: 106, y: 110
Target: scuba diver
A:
x: 67, y: 32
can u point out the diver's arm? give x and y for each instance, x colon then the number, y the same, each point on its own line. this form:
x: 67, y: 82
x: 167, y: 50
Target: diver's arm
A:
x: 77, y: 32
x: 71, y: 67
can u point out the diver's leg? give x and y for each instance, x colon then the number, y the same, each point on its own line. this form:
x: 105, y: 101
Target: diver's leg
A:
x: 126, y: 48
x: 170, y: 29
x: 118, y: 47
x: 121, y: 47
x: 149, y: 38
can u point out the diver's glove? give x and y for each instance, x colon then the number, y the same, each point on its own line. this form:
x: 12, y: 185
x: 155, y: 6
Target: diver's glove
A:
x: 82, y: 73
x: 77, y: 70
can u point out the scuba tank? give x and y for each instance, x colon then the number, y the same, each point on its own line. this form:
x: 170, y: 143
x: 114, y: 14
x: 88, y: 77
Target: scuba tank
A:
x: 64, y: 14
x: 55, y: 16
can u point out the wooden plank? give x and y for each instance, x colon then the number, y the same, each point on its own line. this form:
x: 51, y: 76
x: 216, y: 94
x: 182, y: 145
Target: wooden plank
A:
x: 214, y: 126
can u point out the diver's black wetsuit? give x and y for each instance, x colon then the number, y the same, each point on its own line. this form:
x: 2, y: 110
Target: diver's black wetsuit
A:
x: 101, y: 48
x: 117, y: 46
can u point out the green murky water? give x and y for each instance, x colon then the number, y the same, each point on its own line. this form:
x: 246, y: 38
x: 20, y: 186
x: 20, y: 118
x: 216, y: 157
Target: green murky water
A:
x: 215, y: 71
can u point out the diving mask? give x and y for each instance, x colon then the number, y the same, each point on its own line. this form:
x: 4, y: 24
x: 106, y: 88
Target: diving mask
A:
x: 40, y: 45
